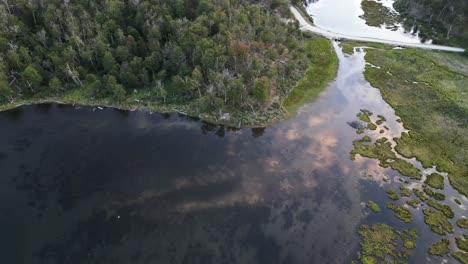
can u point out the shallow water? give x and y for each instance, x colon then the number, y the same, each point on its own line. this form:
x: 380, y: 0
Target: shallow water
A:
x: 343, y: 17
x: 83, y: 185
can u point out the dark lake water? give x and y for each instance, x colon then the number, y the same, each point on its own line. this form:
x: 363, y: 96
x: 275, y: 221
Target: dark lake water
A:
x: 83, y: 185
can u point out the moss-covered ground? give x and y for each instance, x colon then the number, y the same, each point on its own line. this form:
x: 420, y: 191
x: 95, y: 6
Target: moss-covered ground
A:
x: 323, y: 65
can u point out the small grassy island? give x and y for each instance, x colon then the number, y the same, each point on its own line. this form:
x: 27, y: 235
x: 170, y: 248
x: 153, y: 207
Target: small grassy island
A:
x: 440, y: 248
x: 230, y: 62
x: 373, y: 206
x: 435, y: 180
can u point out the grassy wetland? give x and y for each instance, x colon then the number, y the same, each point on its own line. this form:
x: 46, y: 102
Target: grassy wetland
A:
x: 427, y: 90
x: 429, y: 94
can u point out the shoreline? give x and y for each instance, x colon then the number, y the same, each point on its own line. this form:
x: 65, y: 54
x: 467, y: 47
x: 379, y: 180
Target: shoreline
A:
x: 306, y: 90
x: 149, y: 108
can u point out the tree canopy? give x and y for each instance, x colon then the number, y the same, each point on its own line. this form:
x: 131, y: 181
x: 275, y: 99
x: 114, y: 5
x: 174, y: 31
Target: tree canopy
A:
x: 235, y: 53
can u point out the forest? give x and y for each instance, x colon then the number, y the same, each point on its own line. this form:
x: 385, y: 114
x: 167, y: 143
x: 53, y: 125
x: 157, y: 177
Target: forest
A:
x: 444, y: 21
x: 241, y: 54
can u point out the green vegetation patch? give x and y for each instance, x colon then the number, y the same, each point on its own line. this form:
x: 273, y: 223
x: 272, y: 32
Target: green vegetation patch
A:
x: 392, y: 194
x: 457, y: 201
x: 445, y: 209
x: 211, y: 60
x: 382, y: 118
x: 435, y: 195
x: 413, y: 203
x: 420, y: 194
x: 323, y: 65
x: 402, y: 213
x: 379, y: 244
x: 435, y: 180
x: 405, y: 191
x: 377, y: 15
x: 440, y: 248
x: 409, y: 238
x: 437, y: 221
x: 365, y: 115
x: 382, y: 150
x: 461, y: 257
x: 349, y: 45
x: 371, y: 126
x: 429, y: 94
x: 373, y: 206
x: 462, y: 223
x: 462, y: 242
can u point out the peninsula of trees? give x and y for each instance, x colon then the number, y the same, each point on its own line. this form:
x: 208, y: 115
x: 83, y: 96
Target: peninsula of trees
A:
x: 245, y: 55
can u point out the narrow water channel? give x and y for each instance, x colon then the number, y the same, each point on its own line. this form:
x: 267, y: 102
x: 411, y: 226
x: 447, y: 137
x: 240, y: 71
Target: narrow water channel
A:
x: 83, y: 185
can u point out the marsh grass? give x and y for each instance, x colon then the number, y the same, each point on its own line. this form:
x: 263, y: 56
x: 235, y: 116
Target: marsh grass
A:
x: 440, y: 248
x: 428, y: 92
x: 323, y: 65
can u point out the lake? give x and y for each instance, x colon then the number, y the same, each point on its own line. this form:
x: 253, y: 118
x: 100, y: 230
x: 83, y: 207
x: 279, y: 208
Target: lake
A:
x: 89, y: 185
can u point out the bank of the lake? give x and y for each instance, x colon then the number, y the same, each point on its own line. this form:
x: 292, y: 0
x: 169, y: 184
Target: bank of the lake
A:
x: 321, y: 70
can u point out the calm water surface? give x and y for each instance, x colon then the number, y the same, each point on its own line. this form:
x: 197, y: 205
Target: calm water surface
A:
x: 83, y: 185
x: 343, y: 16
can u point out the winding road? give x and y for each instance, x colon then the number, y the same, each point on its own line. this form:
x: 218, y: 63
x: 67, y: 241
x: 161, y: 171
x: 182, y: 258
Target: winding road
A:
x: 306, y: 26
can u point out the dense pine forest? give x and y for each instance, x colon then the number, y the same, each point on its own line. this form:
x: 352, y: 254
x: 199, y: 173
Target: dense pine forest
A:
x: 218, y: 53
x: 444, y: 21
